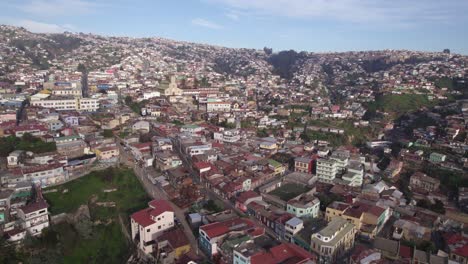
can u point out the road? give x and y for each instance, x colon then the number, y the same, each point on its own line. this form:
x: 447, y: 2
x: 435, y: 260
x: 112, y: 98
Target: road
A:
x: 154, y: 191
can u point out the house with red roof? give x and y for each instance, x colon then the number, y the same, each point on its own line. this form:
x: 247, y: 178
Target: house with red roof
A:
x: 245, y: 198
x: 368, y: 219
x: 34, y: 216
x: 251, y: 253
x: 202, y: 167
x: 35, y: 129
x: 148, y: 224
x: 458, y: 247
x: 211, y: 235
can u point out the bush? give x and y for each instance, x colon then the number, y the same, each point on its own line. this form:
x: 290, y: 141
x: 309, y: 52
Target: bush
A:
x: 26, y: 143
x: 108, y: 133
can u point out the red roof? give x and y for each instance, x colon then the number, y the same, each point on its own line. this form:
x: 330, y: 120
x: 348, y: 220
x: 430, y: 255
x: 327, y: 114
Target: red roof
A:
x: 142, y: 145
x: 220, y: 228
x: 145, y: 217
x: 285, y: 252
x: 217, y: 145
x: 31, y: 127
x: 244, y: 196
x: 202, y: 165
x: 357, y: 209
x: 405, y: 252
x: 176, y: 238
x: 40, y: 204
x: 159, y: 207
x: 461, y: 251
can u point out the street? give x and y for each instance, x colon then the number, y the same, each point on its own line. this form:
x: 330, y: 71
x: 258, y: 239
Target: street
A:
x: 154, y: 191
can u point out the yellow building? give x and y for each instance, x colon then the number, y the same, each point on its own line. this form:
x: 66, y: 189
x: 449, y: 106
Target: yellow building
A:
x: 335, y: 209
x: 106, y: 153
x: 175, y: 240
x: 277, y: 167
x: 334, y: 240
x: 368, y: 219
x: 268, y: 145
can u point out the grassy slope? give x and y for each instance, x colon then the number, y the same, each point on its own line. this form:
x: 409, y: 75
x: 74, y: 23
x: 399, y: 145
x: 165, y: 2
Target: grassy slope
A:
x: 108, y: 244
x: 399, y: 104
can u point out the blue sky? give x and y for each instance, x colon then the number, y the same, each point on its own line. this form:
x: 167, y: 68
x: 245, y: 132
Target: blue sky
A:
x: 312, y: 25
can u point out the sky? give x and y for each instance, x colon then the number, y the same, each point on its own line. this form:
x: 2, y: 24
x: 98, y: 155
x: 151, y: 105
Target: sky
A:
x: 310, y: 25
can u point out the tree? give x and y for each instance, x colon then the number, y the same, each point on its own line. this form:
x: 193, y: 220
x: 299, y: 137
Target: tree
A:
x: 81, y: 68
x: 268, y: 51
x: 326, y: 200
x: 128, y: 100
x: 8, y: 145
x: 9, y: 254
x: 107, y: 133
x: 262, y: 133
x: 437, y: 207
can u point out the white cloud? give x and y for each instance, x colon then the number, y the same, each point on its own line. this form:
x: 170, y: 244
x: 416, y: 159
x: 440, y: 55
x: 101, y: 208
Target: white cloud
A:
x: 41, y: 27
x: 232, y: 16
x: 359, y: 11
x: 205, y: 23
x: 57, y: 7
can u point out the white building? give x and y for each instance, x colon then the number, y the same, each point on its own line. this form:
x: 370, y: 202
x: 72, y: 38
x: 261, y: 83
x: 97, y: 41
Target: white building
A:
x: 77, y: 104
x: 34, y: 216
x: 326, y: 170
x: 152, y: 94
x: 354, y: 175
x: 149, y: 223
x: 141, y: 126
x: 54, y: 125
x: 67, y: 92
x: 229, y: 136
x: 218, y: 107
x: 198, y: 149
x: 43, y: 174
x: 292, y: 227
x: 191, y: 129
x: 16, y: 158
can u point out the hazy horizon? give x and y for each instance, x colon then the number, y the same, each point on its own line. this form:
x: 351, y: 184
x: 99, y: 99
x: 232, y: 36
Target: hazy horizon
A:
x: 303, y: 25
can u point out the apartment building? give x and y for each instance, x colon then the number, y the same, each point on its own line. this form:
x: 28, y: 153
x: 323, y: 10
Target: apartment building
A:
x: 149, y: 223
x: 420, y: 181
x: 228, y: 136
x: 368, y: 219
x: 306, y: 205
x: 67, y: 92
x: 77, y: 104
x: 34, y: 216
x: 292, y: 227
x: 218, y: 107
x: 354, y: 174
x: 303, y: 164
x: 334, y: 240
x: 327, y: 170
